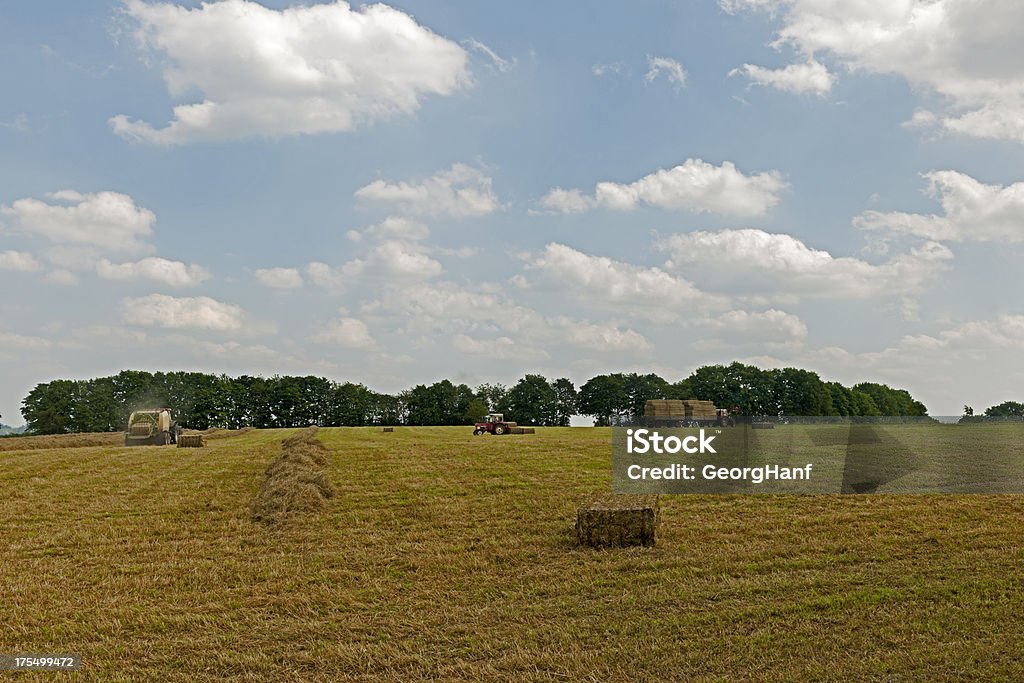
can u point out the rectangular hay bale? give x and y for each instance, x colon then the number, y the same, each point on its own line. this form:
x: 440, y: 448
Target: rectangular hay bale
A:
x: 389, y: 429
x: 191, y: 441
x: 618, y: 520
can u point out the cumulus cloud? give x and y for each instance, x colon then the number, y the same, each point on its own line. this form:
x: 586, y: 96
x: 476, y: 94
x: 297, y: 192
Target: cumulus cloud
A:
x: 393, y: 227
x: 667, y: 68
x: 762, y: 262
x: 399, y: 259
x: 279, y: 278
x: 974, y: 362
x: 809, y: 77
x: 502, y: 348
x: 348, y: 333
x: 172, y: 273
x: 443, y: 306
x: 19, y: 261
x: 602, y: 282
x: 323, y: 275
x: 459, y: 191
x: 603, y: 338
x: 969, y: 52
x: 972, y: 211
x: 12, y: 340
x: 305, y: 69
x: 201, y: 313
x: 110, y: 221
x: 694, y: 185
x: 770, y: 325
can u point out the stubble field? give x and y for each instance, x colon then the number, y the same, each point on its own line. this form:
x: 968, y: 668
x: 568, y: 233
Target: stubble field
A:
x: 447, y: 556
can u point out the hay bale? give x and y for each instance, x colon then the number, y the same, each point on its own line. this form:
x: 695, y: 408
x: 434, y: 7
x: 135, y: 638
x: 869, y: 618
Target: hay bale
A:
x: 528, y: 430
x: 618, y: 520
x: 388, y: 429
x: 191, y: 441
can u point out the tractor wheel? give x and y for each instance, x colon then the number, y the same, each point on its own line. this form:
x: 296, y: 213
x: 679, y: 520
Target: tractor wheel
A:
x: 477, y: 432
x: 127, y: 441
x: 165, y: 438
x: 499, y: 430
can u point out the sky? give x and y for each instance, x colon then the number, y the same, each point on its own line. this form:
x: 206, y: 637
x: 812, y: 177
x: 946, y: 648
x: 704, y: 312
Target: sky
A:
x: 395, y: 194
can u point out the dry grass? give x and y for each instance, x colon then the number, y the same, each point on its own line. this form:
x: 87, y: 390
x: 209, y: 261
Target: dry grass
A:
x: 296, y: 481
x: 25, y: 443
x: 445, y: 556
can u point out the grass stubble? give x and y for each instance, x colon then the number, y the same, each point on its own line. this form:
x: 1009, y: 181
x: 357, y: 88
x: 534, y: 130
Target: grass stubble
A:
x: 447, y: 556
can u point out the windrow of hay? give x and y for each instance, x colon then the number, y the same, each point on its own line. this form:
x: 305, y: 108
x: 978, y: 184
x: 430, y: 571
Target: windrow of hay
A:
x: 27, y: 443
x: 296, y: 481
x: 218, y: 433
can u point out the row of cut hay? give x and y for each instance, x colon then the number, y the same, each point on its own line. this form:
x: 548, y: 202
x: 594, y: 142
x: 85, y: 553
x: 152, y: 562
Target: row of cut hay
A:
x: 27, y: 443
x: 219, y: 433
x: 296, y: 480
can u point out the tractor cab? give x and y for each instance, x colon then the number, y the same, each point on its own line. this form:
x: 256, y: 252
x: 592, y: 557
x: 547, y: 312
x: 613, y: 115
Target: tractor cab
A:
x: 494, y: 424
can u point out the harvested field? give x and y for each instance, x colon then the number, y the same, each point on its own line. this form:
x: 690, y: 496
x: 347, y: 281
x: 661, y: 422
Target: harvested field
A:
x: 24, y: 443
x: 444, y: 556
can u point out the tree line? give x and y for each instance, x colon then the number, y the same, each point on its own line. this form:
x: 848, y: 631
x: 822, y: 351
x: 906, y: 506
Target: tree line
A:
x: 202, y: 400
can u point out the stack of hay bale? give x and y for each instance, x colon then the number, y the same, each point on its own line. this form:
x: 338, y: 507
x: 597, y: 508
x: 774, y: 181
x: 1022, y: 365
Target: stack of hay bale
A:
x: 618, y: 520
x: 520, y: 430
x: 665, y: 409
x: 700, y: 410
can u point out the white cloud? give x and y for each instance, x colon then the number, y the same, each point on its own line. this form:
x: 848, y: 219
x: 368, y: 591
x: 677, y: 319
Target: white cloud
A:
x: 325, y: 276
x: 603, y: 338
x: 500, y: 64
x: 444, y: 307
x: 393, y: 227
x: 810, y: 76
x: 349, y: 333
x: 602, y: 282
x: 502, y: 348
x: 694, y: 185
x: 19, y: 261
x: 969, y: 52
x: 402, y: 259
x: 762, y: 262
x: 305, y: 69
x: 604, y: 69
x: 459, y: 191
x: 973, y: 211
x: 172, y: 273
x: 770, y: 325
x: 672, y: 71
x: 11, y: 340
x: 567, y: 201
x: 279, y: 278
x: 972, y: 362
x: 108, y: 220
x: 202, y: 312
x: 62, y: 277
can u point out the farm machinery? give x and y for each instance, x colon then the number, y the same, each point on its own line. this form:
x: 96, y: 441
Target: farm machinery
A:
x: 495, y: 424
x: 152, y: 427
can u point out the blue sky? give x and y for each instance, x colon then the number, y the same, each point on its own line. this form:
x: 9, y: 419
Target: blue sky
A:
x: 485, y: 190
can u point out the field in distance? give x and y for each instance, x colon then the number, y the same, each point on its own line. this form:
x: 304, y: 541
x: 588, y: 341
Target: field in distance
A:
x: 447, y: 556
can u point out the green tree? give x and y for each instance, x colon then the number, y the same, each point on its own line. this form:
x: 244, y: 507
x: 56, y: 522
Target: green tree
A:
x: 1006, y: 409
x: 532, y: 401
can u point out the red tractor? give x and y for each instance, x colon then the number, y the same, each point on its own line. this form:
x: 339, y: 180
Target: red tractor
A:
x: 495, y: 424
